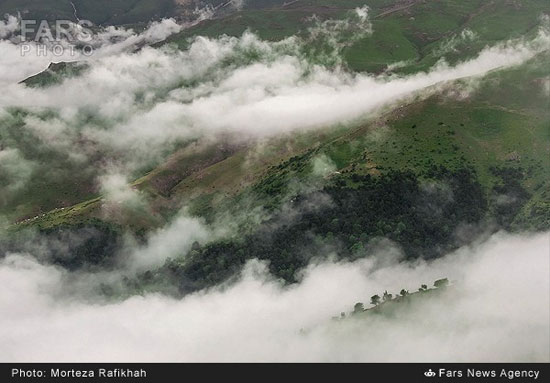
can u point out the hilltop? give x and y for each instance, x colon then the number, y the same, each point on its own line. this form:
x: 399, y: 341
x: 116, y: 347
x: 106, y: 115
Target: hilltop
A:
x: 388, y: 304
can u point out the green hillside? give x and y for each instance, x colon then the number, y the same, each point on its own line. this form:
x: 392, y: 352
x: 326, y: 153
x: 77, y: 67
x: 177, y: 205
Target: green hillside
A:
x: 97, y: 11
x: 402, y: 30
x: 119, y: 12
x: 416, y: 173
x: 390, y: 305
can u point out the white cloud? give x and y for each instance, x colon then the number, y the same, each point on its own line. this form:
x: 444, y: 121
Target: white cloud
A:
x: 497, y: 311
x: 545, y: 85
x: 114, y: 40
x: 9, y: 26
x: 156, y: 97
x: 172, y: 241
x: 116, y: 189
x: 20, y: 60
x: 15, y: 172
x: 323, y: 166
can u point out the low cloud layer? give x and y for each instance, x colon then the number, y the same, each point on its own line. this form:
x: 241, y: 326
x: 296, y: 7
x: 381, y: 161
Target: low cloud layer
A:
x: 22, y: 59
x: 145, y: 102
x: 130, y: 108
x: 497, y: 311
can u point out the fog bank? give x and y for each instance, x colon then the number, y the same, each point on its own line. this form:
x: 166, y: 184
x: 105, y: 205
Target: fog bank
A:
x: 497, y: 311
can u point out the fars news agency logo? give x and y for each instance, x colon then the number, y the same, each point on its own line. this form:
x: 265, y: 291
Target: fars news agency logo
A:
x: 58, y: 38
x: 429, y: 374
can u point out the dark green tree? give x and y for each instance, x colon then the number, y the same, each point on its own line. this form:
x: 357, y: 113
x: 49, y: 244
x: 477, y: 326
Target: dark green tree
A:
x: 358, y: 308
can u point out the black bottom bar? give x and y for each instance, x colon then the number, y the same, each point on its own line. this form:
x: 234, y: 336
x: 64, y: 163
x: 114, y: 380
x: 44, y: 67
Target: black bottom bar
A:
x: 371, y: 372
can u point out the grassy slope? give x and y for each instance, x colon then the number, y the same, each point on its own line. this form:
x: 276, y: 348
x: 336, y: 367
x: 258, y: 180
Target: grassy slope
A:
x: 401, y: 33
x: 486, y: 130
x: 397, y: 305
x: 38, y: 9
x: 113, y: 12
x: 505, y: 119
x: 98, y: 11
